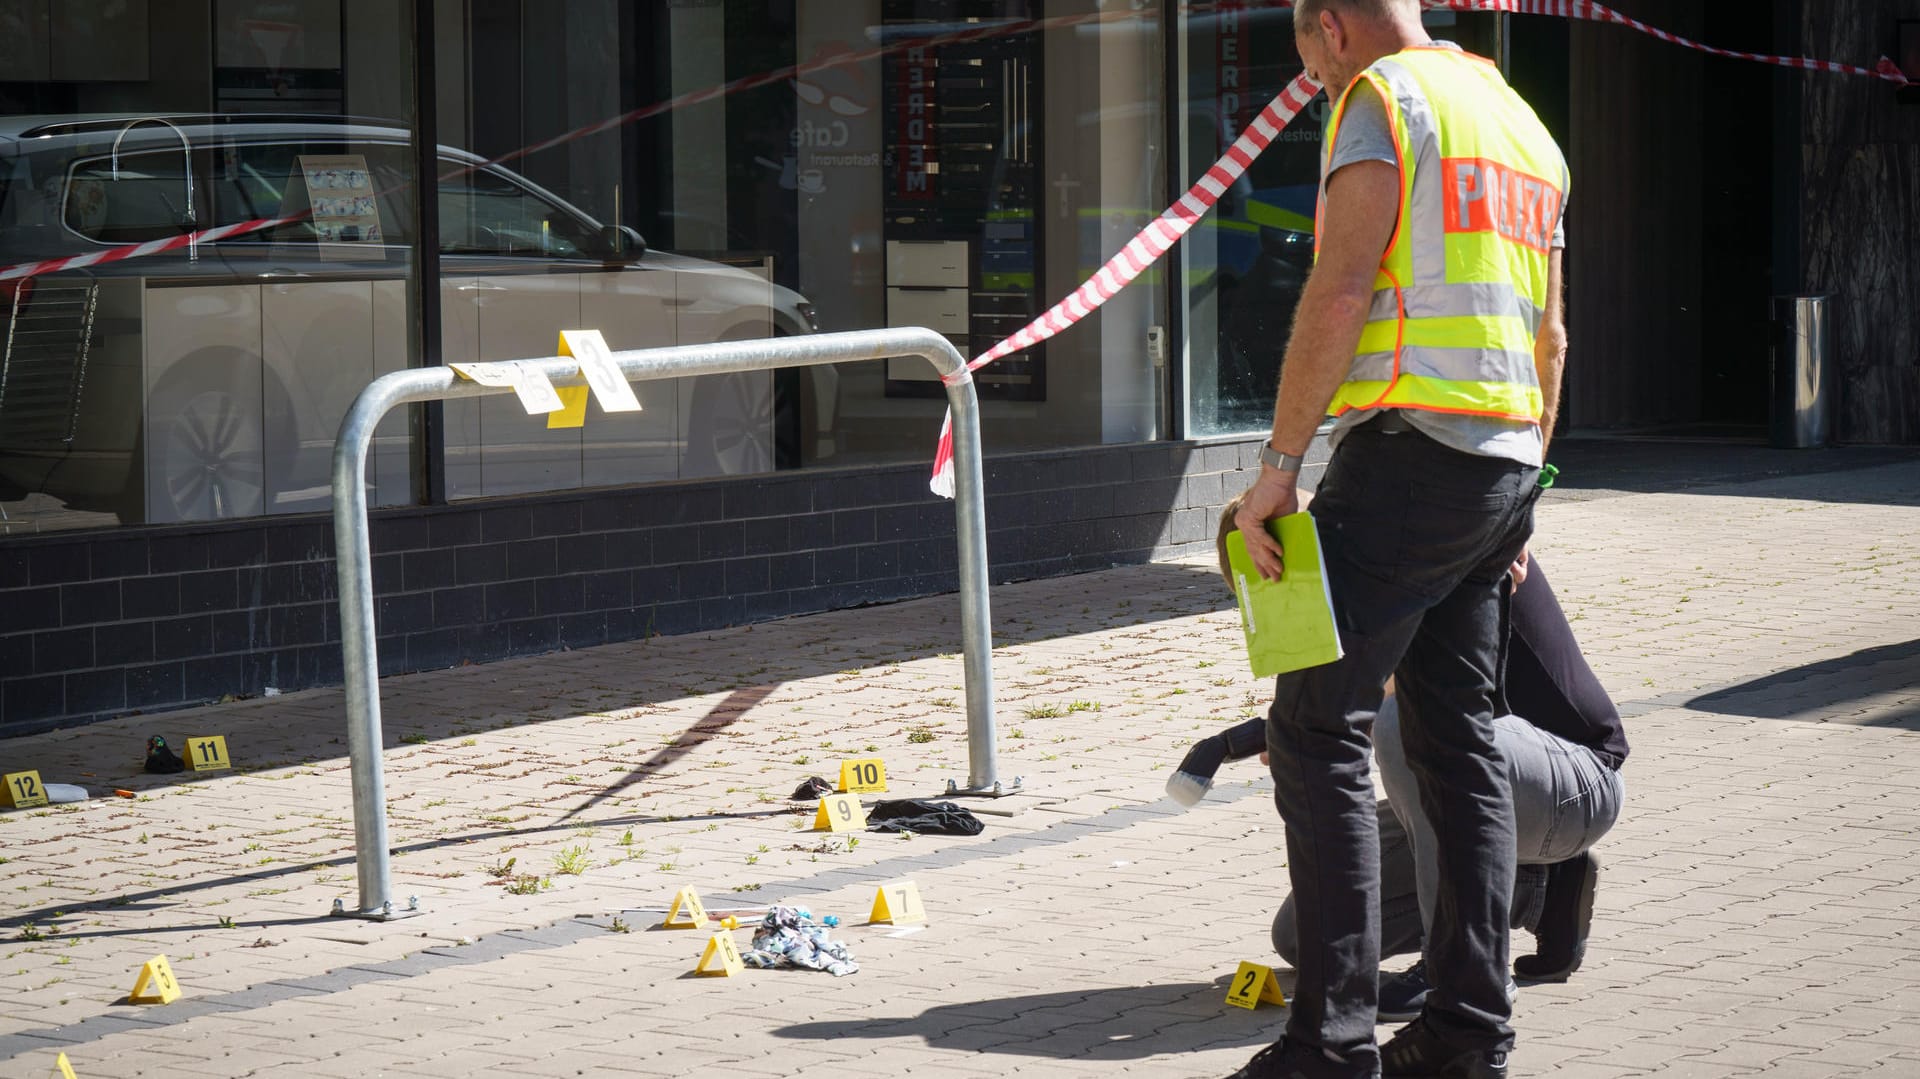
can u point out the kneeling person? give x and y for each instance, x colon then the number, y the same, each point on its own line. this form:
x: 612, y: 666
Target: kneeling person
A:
x: 1564, y: 743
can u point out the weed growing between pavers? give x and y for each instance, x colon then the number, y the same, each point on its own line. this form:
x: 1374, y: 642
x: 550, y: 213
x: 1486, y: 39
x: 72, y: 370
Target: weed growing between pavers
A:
x: 572, y: 861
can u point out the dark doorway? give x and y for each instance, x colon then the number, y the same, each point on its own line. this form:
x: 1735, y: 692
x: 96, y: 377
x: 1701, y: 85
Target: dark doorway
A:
x: 1736, y: 142
x: 1672, y: 223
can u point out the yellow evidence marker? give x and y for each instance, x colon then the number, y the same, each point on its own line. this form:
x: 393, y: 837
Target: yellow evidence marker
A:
x: 208, y: 754
x: 686, y: 911
x: 897, y: 904
x: 63, y: 1069
x: 573, y: 399
x: 1253, y: 983
x: 603, y: 376
x: 720, y: 946
x: 155, y: 984
x: 863, y: 776
x: 573, y: 408
x: 23, y: 789
x: 840, y: 813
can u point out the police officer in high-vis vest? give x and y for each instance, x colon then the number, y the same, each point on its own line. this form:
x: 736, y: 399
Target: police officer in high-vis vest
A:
x: 1431, y: 327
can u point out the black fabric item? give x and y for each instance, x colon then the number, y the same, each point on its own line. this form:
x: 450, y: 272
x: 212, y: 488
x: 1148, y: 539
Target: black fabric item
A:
x: 1247, y: 739
x: 922, y: 816
x: 1205, y: 757
x: 813, y: 788
x: 1548, y: 681
x: 160, y: 759
x: 1236, y: 743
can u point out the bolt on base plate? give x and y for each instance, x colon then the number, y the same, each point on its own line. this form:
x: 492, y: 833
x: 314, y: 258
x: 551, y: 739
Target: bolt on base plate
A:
x: 997, y: 790
x: 385, y: 912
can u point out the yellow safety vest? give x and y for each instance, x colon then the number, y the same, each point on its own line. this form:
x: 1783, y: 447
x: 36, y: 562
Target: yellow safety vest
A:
x: 1463, y: 283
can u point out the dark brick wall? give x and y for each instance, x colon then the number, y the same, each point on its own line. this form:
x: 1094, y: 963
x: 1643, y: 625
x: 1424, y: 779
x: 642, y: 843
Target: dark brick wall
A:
x: 101, y: 624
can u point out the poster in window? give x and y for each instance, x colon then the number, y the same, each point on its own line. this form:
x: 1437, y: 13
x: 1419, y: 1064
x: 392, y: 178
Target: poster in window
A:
x: 336, y: 192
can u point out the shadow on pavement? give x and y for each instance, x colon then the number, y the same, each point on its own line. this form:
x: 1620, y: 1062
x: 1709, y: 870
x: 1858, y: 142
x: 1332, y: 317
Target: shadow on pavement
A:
x: 646, y: 674
x: 163, y: 897
x: 1881, y: 684
x: 720, y: 717
x: 1123, y: 1023
x: 633, y: 675
x: 249, y: 925
x: 1599, y: 466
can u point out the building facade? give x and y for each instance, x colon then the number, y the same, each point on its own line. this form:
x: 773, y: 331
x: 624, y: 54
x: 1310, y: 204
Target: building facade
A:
x: 691, y: 171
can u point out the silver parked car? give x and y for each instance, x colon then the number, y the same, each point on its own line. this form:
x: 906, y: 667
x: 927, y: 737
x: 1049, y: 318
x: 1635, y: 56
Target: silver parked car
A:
x: 209, y: 381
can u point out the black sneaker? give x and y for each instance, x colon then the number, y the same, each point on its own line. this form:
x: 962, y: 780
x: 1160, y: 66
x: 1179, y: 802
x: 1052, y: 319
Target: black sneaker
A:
x: 1287, y: 1060
x: 1403, y: 996
x: 1417, y: 1051
x: 1566, y: 918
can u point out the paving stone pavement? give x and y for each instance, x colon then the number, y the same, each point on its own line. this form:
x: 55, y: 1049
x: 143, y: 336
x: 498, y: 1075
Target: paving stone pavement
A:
x: 1759, y: 911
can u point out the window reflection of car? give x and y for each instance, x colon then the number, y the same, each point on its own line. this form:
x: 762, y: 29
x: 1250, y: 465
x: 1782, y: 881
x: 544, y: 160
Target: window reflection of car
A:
x: 209, y: 382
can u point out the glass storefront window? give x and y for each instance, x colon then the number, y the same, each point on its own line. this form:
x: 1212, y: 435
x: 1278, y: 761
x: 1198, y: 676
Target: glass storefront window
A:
x: 1245, y: 265
x: 958, y: 164
x: 205, y: 381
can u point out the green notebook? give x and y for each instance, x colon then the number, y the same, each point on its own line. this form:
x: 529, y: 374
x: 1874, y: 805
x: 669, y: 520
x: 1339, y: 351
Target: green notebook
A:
x: 1289, y: 622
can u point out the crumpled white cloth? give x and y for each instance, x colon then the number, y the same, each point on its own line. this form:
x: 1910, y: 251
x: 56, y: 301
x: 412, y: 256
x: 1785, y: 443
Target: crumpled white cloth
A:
x: 789, y: 937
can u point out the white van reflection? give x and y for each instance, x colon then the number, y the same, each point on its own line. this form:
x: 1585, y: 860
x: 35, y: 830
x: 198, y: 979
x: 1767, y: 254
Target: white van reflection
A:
x: 209, y: 383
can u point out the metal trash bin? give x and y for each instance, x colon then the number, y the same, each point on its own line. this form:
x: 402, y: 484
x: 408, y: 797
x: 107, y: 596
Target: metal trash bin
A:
x: 1803, y: 373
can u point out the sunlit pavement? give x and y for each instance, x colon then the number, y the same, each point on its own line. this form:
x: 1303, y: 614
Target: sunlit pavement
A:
x: 1759, y: 912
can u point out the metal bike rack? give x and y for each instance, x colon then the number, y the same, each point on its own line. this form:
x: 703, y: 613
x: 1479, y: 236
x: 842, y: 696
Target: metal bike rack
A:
x: 352, y: 543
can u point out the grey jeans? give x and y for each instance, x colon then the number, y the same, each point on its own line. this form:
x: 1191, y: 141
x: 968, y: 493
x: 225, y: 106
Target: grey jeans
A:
x: 1564, y: 800
x: 1564, y: 797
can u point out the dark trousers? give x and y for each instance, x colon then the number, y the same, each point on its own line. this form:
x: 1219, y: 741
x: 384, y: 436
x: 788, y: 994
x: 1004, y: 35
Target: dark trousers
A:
x: 1417, y: 540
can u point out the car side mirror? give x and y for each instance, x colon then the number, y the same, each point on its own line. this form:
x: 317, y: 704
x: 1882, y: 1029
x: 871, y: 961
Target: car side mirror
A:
x: 622, y: 242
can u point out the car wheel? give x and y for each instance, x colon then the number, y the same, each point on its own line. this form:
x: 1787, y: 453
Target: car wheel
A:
x: 729, y: 429
x: 208, y: 441
x: 728, y: 433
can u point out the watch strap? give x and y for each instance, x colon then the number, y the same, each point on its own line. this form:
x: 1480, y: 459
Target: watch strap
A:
x: 1285, y: 462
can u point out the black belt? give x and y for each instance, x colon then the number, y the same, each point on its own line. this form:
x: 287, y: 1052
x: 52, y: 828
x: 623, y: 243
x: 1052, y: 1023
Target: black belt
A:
x: 1390, y: 421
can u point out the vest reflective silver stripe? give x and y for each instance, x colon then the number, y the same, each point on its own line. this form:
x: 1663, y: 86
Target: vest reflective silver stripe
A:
x: 1464, y: 300
x: 1451, y: 364
x: 1427, y: 231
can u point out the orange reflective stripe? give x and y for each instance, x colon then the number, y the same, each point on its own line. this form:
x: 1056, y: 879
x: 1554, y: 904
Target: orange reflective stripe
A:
x: 1503, y: 400
x: 1399, y: 345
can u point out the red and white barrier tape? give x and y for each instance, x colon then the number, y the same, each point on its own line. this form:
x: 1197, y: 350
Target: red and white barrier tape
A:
x: 1139, y: 253
x: 1587, y: 11
x: 1159, y: 236
x: 133, y: 251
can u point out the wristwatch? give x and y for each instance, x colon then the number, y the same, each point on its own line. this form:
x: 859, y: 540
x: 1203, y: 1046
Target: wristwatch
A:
x: 1285, y: 462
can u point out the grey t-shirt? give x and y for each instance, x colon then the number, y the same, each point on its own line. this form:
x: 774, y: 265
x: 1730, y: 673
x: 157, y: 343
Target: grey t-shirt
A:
x: 1365, y: 135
